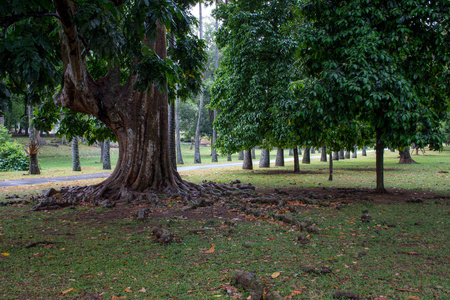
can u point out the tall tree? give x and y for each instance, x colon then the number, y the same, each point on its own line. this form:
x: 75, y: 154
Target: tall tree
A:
x: 115, y: 68
x: 197, y: 140
x: 384, y: 63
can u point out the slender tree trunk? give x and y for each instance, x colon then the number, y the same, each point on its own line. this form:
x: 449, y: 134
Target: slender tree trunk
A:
x: 241, y: 155
x: 197, y: 158
x: 307, y: 156
x: 248, y: 163
x: 172, y: 144
x: 330, y: 169
x: 355, y: 152
x: 214, y: 137
x: 299, y: 151
x: 405, y: 157
x: 291, y: 152
x: 312, y: 150
x: 379, y: 148
x: 177, y: 129
x: 264, y: 159
x: 253, y: 153
x: 335, y: 155
x: 76, y: 166
x: 102, y: 151
x: 107, y: 155
x: 33, y: 146
x: 364, y: 151
x: 279, y: 161
x: 341, y: 154
x: 323, y: 154
x: 347, y: 154
x: 296, y: 161
x: 228, y: 157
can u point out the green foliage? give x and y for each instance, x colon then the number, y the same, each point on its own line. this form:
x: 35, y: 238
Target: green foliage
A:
x: 12, y: 156
x: 254, y: 73
x: 382, y: 63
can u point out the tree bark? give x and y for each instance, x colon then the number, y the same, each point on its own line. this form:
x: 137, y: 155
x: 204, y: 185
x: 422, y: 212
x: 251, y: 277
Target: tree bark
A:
x: 33, y: 146
x: 364, y: 151
x: 76, y: 166
x: 307, y: 156
x: 405, y: 157
x: 253, y: 153
x: 330, y: 169
x: 102, y: 151
x: 216, y: 66
x: 138, y: 119
x: 228, y: 157
x: 107, y: 155
x: 323, y: 154
x: 355, y: 152
x: 312, y: 150
x: 214, y: 137
x: 172, y: 144
x: 335, y: 155
x: 279, y: 161
x: 296, y: 161
x: 264, y: 159
x: 291, y: 152
x: 248, y: 163
x: 241, y: 155
x: 347, y: 154
x: 341, y: 154
x: 379, y: 148
x: 177, y: 129
x: 197, y: 157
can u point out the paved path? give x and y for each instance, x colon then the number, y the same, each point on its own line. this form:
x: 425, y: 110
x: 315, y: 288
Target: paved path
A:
x: 31, y: 181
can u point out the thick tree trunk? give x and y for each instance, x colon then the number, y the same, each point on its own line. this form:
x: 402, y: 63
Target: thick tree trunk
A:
x: 330, y: 169
x: 248, y: 163
x: 279, y: 161
x: 241, y: 155
x: 335, y: 155
x: 228, y: 157
x: 33, y: 146
x: 172, y: 144
x: 379, y: 148
x: 107, y: 155
x: 355, y: 152
x: 323, y: 154
x: 76, y: 166
x: 364, y: 151
x: 264, y: 159
x: 253, y: 153
x: 341, y: 154
x: 296, y: 161
x: 177, y: 129
x: 138, y: 119
x: 307, y: 156
x: 347, y: 154
x: 405, y: 157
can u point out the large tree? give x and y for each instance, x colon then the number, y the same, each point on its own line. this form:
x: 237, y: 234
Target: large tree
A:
x: 253, y: 74
x: 384, y: 63
x: 116, y: 68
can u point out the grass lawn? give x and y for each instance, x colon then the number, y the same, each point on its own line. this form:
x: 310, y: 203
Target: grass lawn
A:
x: 94, y: 253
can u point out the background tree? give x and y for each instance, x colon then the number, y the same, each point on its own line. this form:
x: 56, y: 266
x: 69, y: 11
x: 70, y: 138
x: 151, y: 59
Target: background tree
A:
x: 383, y: 63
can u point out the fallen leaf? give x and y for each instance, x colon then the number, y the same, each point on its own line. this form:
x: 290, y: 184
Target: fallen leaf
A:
x: 121, y: 297
x: 5, y: 254
x: 212, y: 249
x: 67, y: 291
x: 143, y: 290
x: 275, y: 275
x: 127, y: 290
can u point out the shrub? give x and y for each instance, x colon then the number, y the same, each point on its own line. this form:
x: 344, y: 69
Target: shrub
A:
x: 12, y: 157
x: 4, y: 135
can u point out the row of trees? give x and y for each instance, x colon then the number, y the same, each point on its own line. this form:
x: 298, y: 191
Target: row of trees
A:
x: 360, y: 72
x: 314, y: 73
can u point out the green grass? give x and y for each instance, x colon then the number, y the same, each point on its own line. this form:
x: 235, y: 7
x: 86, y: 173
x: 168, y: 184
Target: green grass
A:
x: 96, y: 254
